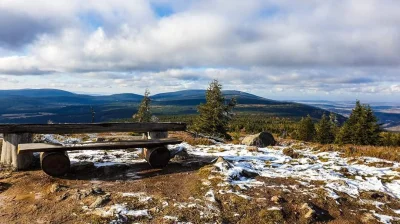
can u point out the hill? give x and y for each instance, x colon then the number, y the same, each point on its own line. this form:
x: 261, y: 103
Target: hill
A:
x: 41, y: 105
x: 35, y: 93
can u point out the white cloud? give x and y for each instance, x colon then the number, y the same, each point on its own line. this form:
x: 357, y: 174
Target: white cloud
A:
x: 330, y: 46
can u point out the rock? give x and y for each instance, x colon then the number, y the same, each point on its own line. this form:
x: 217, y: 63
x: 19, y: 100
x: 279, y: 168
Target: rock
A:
x: 252, y: 148
x: 368, y: 218
x: 81, y: 166
x: 277, y: 199
x: 100, y: 201
x: 180, y: 154
x: 55, y: 188
x: 63, y: 197
x: 313, y: 213
x: 96, y: 190
x: 154, y: 210
x: 248, y: 173
x: 309, y: 213
x: 222, y: 164
x: 81, y: 194
x: 261, y: 139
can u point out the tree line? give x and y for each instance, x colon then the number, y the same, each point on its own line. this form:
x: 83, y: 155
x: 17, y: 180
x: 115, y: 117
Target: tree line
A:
x: 361, y: 128
x: 216, y: 118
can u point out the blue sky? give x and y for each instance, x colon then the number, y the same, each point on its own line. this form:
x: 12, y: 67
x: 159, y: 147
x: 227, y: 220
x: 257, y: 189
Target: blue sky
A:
x: 291, y: 50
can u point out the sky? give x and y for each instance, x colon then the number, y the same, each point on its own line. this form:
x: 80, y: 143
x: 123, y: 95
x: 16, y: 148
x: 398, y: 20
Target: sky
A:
x: 278, y: 49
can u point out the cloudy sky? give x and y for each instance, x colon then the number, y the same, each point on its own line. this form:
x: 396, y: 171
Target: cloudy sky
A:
x: 279, y: 49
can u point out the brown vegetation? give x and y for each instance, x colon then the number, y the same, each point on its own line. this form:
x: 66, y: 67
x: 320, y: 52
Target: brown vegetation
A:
x: 190, y: 139
x: 383, y: 152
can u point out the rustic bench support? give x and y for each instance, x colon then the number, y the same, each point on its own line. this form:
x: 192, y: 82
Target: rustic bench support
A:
x: 9, y: 153
x: 55, y: 163
x: 157, y: 157
x: 157, y: 135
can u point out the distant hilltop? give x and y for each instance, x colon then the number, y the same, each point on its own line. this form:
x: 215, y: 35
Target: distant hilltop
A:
x: 41, y: 105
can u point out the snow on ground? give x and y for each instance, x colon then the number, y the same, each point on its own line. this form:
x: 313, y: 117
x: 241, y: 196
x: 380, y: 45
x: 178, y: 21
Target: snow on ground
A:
x: 120, y: 211
x: 106, y: 157
x: 339, y: 174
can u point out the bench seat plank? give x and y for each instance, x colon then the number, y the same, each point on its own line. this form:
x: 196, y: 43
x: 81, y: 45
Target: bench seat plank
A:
x: 91, y: 128
x: 47, y: 147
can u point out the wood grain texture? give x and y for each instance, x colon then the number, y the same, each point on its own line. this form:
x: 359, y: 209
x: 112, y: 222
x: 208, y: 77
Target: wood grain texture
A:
x: 9, y: 155
x: 90, y: 128
x: 46, y: 147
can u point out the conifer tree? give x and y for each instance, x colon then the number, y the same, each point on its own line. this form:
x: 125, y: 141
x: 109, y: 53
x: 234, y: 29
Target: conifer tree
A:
x: 306, y: 129
x: 361, y: 128
x: 215, y: 114
x: 144, y: 114
x: 372, y: 136
x: 324, y: 131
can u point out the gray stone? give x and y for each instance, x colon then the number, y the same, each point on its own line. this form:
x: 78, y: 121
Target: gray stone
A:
x: 81, y: 166
x: 97, y: 190
x: 63, y: 196
x: 309, y: 212
x: 277, y: 199
x: 101, y: 200
x: 313, y: 213
x: 261, y: 139
x: 55, y: 188
x: 248, y: 173
x: 224, y: 164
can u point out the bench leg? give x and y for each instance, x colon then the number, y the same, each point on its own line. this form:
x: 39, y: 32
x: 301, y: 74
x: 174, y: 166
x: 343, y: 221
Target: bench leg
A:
x: 55, y: 163
x: 9, y: 152
x: 157, y: 157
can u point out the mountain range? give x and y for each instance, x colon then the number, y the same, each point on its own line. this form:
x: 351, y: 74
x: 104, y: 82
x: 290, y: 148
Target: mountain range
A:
x: 42, y: 105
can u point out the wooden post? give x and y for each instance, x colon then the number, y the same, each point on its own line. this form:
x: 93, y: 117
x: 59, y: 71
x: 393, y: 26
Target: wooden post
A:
x: 9, y: 152
x: 157, y: 157
x: 157, y: 134
x: 55, y: 163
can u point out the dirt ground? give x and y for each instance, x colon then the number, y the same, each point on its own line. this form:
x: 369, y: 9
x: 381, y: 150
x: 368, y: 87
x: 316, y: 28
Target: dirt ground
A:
x: 34, y: 197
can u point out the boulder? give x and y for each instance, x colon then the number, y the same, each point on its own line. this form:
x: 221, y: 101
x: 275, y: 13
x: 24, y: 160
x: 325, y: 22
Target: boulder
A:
x: 261, y: 139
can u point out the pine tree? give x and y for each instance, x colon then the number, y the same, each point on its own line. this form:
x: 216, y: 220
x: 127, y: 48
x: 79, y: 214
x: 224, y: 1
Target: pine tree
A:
x: 215, y: 114
x: 324, y: 131
x: 144, y: 114
x: 361, y: 128
x: 306, y: 129
x: 372, y: 135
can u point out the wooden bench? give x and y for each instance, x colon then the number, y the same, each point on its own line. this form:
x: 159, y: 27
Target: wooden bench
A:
x: 18, y: 148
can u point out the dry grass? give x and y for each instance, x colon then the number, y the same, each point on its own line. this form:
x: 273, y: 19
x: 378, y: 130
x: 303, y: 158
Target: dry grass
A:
x: 382, y: 152
x: 290, y: 152
x: 191, y: 140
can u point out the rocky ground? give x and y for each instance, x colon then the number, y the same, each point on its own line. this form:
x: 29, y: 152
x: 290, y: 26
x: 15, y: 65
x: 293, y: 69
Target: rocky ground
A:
x: 221, y: 183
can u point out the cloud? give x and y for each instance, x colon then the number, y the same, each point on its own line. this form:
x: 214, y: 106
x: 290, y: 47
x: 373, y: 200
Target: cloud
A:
x: 327, y: 46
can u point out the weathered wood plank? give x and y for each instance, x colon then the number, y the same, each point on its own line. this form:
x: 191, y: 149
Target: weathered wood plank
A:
x: 45, y: 147
x: 90, y: 128
x: 9, y: 155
